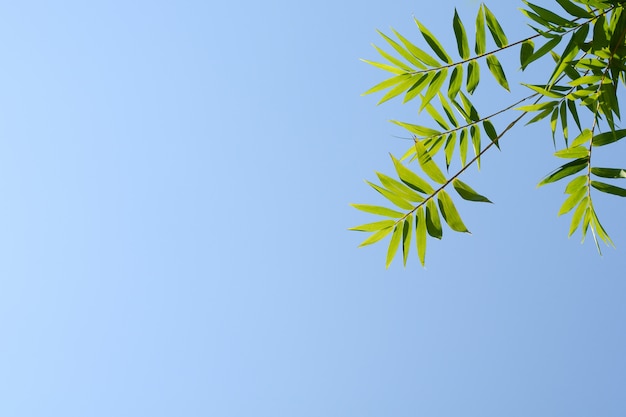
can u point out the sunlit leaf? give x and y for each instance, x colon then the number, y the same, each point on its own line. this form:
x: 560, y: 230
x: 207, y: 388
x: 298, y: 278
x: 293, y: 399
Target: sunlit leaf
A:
x: 417, y: 52
x: 449, y: 212
x: 381, y: 234
x: 572, y: 200
x: 578, y: 215
x: 461, y: 36
x: 565, y: 170
x: 526, y: 51
x: 407, y: 232
x: 496, y: 30
x: 411, y: 179
x: 434, y: 87
x: 433, y: 222
x: 467, y: 193
x: 608, y: 188
x: 583, y: 137
x: 473, y: 76
x: 428, y: 165
x: 399, y: 188
x: 496, y: 70
x: 576, y: 184
x: 393, y: 197
x: 608, y: 137
x: 420, y: 235
x: 433, y: 43
x: 394, y: 243
x: 378, y: 210
x: 456, y: 81
x: 573, y: 152
x: 609, y: 172
x: 372, y: 227
x: 481, y: 39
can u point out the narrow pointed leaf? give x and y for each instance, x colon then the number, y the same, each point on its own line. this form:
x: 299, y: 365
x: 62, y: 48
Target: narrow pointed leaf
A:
x: 411, y: 179
x: 573, y: 153
x: 461, y: 36
x: 385, y: 67
x: 481, y: 39
x: 544, y: 49
x: 491, y: 132
x: 434, y: 43
x: 434, y: 87
x: 496, y: 30
x: 394, y: 243
x: 372, y: 227
x: 420, y: 235
x: 565, y: 170
x: 420, y: 131
x: 433, y: 222
x: 576, y: 184
x: 473, y: 76
x: 608, y: 137
x: 467, y: 193
x: 399, y: 188
x: 574, y: 10
x: 572, y: 200
x: 456, y: 81
x: 428, y: 165
x: 578, y: 215
x: 378, y: 210
x: 393, y: 197
x: 608, y: 188
x: 407, y: 232
x: 583, y: 137
x: 375, y: 237
x: 609, y: 172
x: 449, y: 212
x: 417, y: 52
x: 526, y: 51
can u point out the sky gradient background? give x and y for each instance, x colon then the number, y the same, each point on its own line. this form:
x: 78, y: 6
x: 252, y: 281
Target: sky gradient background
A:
x: 176, y: 179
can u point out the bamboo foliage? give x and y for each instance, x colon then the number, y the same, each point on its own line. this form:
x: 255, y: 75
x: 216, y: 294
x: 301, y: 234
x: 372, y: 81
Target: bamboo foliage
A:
x: 586, y: 39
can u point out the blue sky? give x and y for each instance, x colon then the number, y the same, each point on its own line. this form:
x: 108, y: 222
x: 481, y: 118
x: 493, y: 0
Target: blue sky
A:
x: 176, y: 180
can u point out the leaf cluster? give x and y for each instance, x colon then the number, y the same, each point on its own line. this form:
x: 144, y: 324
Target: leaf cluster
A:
x: 586, y: 39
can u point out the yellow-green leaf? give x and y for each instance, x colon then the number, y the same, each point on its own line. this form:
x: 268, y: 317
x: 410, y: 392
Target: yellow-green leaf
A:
x: 449, y: 212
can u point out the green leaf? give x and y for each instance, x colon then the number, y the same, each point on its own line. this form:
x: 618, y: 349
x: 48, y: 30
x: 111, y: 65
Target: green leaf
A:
x: 402, y: 190
x: 565, y: 170
x: 584, y: 137
x: 570, y: 52
x: 475, y: 134
x: 393, y: 197
x: 578, y: 215
x: 378, y: 210
x: 420, y: 131
x: 448, y: 110
x: 544, y: 49
x: 389, y: 82
x: 461, y: 36
x: 541, y: 89
x: 586, y: 79
x: 549, y: 16
x: 463, y: 143
x: 420, y: 235
x: 481, y: 39
x: 572, y: 200
x: 608, y: 188
x: 402, y: 51
x: 428, y: 165
x: 433, y: 43
x: 376, y: 237
x: 491, y: 132
x: 526, y: 51
x: 411, y: 179
x: 394, y: 243
x: 576, y: 184
x: 416, y: 89
x: 407, y: 232
x: 496, y: 70
x: 398, y: 89
x: 372, y: 227
x: 434, y: 87
x: 417, y: 52
x: 456, y: 81
x: 563, y: 116
x: 449, y: 212
x: 539, y: 106
x: 574, y: 10
x: 433, y: 222
x: 449, y: 148
x: 608, y: 137
x: 467, y: 193
x: 496, y: 30
x: 392, y: 59
x: 573, y: 153
x: 609, y: 172
x: 385, y: 67
x: 571, y: 105
x: 473, y: 76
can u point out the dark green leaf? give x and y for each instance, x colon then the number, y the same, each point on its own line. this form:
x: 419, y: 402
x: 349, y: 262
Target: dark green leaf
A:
x: 565, y: 170
x: 467, y: 193
x: 608, y: 137
x: 449, y: 212
x: 571, y: 105
x: 608, y: 188
x: 481, y: 39
x: 496, y: 30
x: 549, y: 16
x: 434, y: 43
x: 491, y: 132
x: 609, y: 172
x: 544, y: 49
x: 574, y: 10
x: 433, y: 222
x: 473, y: 76
x: 526, y: 51
x: 456, y: 81
x: 563, y: 116
x: 461, y: 36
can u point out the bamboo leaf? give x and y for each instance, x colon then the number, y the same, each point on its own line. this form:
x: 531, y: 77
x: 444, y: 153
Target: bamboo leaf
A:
x: 398, y: 89
x: 411, y: 179
x: 402, y: 51
x: 473, y: 76
x: 572, y: 200
x: 434, y: 87
x: 373, y: 227
x: 449, y: 212
x: 449, y: 148
x: 549, y: 16
x: 526, y: 51
x: 381, y: 234
x: 467, y: 193
x: 496, y: 70
x: 563, y: 117
x: 394, y: 243
x: 583, y: 137
x: 578, y: 215
x: 461, y: 36
x: 407, y: 232
x: 428, y: 165
x: 456, y: 81
x: 433, y: 43
x: 573, y: 153
x: 385, y: 67
x: 491, y: 132
x: 420, y: 235
x: 496, y: 30
x: 402, y: 190
x: 378, y: 210
x: 433, y: 222
x: 565, y: 170
x: 544, y: 49
x: 608, y: 137
x: 574, y: 10
x: 576, y: 184
x: 389, y: 82
x: 541, y: 89
x: 417, y: 52
x: 393, y: 197
x: 609, y: 172
x: 608, y: 188
x: 481, y: 39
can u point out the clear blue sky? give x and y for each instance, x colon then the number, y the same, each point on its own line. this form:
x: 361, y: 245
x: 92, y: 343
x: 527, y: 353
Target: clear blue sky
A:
x: 176, y: 179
